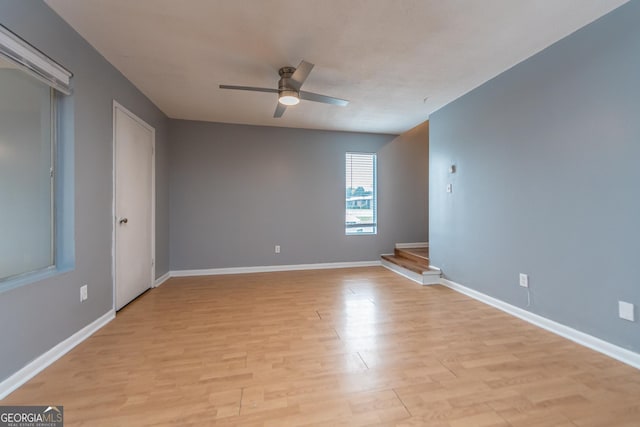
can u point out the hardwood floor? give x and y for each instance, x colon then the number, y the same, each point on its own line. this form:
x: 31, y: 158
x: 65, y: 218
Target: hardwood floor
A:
x: 348, y: 347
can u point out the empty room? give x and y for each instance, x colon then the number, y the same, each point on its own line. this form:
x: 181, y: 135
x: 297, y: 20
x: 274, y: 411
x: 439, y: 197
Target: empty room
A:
x: 319, y: 213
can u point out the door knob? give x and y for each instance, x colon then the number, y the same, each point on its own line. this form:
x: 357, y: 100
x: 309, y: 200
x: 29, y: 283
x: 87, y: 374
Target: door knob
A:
x: 123, y: 220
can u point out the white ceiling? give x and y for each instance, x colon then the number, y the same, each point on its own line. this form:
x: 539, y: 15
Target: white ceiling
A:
x: 385, y: 56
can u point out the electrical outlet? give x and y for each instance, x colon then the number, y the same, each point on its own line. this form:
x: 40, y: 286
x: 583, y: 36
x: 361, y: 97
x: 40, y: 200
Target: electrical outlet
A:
x: 83, y: 293
x: 524, y: 280
x: 277, y: 249
x: 625, y: 311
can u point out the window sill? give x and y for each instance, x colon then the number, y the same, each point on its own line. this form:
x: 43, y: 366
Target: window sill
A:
x: 32, y: 277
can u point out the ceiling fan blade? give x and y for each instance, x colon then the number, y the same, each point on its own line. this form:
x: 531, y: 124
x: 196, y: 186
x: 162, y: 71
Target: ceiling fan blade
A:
x: 301, y: 74
x: 279, y: 110
x: 316, y: 97
x: 250, y: 88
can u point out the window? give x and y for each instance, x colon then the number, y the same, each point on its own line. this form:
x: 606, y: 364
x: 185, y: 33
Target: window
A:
x: 361, y: 215
x: 26, y: 178
x: 28, y: 156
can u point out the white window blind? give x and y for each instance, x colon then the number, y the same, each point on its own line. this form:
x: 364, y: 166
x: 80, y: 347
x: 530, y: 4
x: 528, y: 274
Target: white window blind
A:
x: 26, y: 57
x: 361, y: 215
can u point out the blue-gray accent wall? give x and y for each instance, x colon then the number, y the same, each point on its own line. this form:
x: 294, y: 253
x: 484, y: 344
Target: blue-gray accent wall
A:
x: 37, y: 316
x: 548, y: 182
x: 237, y: 191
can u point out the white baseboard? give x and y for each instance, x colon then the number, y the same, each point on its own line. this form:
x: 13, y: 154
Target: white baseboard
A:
x: 432, y: 278
x: 622, y: 354
x: 41, y: 362
x: 160, y: 280
x: 412, y: 245
x: 411, y: 275
x: 272, y: 268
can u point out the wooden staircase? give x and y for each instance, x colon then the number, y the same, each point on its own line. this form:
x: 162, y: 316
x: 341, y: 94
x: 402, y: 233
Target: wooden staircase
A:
x: 412, y: 263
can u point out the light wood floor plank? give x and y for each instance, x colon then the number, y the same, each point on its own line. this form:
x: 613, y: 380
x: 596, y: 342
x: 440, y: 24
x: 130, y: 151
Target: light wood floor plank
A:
x: 348, y: 347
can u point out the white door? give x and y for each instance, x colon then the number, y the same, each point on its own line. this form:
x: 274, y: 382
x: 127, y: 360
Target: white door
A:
x: 133, y: 205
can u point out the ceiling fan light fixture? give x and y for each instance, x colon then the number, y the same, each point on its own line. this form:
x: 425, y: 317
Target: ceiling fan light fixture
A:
x: 288, y: 97
x: 291, y: 80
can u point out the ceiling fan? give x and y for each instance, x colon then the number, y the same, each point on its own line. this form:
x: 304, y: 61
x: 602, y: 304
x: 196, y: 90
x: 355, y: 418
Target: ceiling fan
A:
x: 289, y: 93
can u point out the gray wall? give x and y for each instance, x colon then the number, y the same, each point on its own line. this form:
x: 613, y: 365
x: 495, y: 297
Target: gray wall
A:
x: 236, y: 191
x: 35, y: 317
x: 548, y: 181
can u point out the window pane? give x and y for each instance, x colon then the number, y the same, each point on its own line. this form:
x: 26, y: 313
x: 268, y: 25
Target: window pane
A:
x: 26, y: 231
x: 360, y: 195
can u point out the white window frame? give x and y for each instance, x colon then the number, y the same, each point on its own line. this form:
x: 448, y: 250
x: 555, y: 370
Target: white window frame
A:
x: 374, y: 224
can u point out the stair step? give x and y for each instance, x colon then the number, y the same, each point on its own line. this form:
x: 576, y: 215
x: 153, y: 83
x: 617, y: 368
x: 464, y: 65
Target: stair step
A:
x: 410, y: 264
x: 420, y: 255
x: 413, y: 263
x: 405, y: 267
